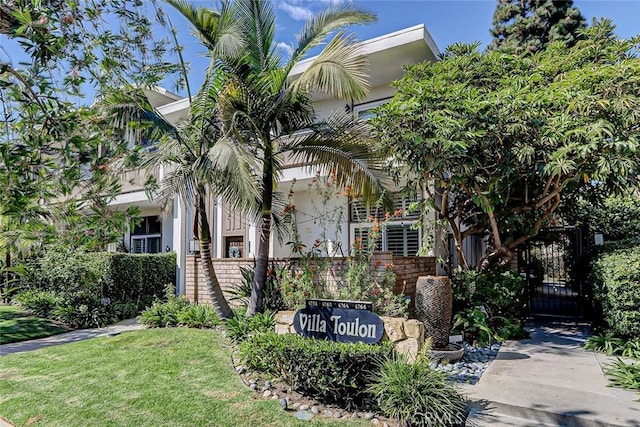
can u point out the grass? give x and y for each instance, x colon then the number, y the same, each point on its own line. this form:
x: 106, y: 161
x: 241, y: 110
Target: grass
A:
x: 151, y: 377
x: 16, y: 325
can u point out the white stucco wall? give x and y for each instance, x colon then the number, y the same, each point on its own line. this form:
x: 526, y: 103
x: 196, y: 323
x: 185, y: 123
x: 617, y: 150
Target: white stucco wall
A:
x: 318, y: 219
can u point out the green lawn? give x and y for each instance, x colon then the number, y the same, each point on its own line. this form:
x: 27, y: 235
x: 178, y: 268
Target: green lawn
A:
x: 151, y: 377
x: 18, y: 326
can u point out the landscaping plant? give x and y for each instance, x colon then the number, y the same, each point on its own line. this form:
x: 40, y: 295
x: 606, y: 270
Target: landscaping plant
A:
x: 330, y: 372
x: 616, y: 278
x: 489, y: 304
x: 624, y: 375
x: 178, y: 311
x: 416, y: 395
x: 240, y: 326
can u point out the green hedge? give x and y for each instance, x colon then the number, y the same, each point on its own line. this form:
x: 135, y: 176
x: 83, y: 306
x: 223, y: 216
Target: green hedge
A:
x: 616, y: 276
x: 327, y: 371
x: 123, y: 278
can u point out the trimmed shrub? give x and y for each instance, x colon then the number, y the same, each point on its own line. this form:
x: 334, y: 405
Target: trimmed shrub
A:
x: 40, y: 303
x: 123, y: 278
x: 616, y: 276
x: 140, y: 278
x: 416, y: 395
x: 328, y: 371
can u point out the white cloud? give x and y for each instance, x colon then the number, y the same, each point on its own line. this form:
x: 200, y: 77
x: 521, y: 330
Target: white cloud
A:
x: 298, y: 13
x: 286, y: 49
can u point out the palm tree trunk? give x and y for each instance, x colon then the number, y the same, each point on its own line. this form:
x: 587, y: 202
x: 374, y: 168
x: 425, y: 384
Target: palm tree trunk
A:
x: 262, y: 260
x: 218, y: 301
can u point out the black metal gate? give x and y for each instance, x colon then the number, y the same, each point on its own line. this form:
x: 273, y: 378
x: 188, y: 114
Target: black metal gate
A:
x: 555, y: 264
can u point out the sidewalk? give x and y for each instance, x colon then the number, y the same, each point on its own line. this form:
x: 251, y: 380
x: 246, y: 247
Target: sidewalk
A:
x: 550, y: 380
x: 69, y: 337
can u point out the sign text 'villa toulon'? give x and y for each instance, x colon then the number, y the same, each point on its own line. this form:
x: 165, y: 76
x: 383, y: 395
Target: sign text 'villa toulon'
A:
x: 343, y: 321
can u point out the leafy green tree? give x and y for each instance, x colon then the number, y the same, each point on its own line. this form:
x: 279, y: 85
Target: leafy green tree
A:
x: 499, y: 140
x: 267, y: 119
x: 530, y: 25
x: 54, y: 51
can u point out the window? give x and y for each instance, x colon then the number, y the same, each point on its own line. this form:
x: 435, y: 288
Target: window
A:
x: 234, y: 247
x: 400, y: 239
x: 366, y: 111
x: 146, y: 237
x: 145, y: 244
x: 400, y: 235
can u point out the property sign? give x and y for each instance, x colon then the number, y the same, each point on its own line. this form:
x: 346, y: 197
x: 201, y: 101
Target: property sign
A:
x: 335, y: 321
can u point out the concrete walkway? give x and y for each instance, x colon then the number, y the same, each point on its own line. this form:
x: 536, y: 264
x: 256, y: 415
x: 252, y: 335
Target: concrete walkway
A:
x: 69, y: 337
x: 550, y: 380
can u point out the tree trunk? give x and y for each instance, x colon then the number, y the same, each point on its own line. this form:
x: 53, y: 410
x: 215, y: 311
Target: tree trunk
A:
x: 218, y: 301
x: 262, y: 260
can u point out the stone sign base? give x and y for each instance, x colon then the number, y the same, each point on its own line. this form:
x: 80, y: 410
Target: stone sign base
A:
x: 407, y: 335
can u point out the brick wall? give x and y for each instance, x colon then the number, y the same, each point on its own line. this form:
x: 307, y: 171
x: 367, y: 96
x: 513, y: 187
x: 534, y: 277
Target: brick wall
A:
x: 407, y: 270
x: 227, y: 272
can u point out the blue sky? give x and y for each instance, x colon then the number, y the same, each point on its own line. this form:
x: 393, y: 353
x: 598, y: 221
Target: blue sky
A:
x: 448, y: 21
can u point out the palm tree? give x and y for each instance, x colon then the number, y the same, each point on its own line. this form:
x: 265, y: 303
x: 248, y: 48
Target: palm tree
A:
x: 184, y: 151
x: 266, y: 118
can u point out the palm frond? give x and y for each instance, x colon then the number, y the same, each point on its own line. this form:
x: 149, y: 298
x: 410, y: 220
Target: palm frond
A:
x: 129, y: 112
x: 340, y: 70
x: 236, y: 180
x: 218, y: 31
x: 343, y: 144
x: 259, y: 25
x: 317, y: 29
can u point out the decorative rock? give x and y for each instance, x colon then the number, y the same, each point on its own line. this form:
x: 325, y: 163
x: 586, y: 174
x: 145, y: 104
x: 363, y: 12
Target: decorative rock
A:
x: 253, y: 386
x: 285, y: 317
x: 328, y: 413
x: 375, y: 421
x: 274, y: 396
x: 303, y: 415
x: 355, y: 415
x: 253, y: 381
x: 368, y: 415
x: 241, y: 369
x: 315, y: 410
x: 414, y: 328
x: 337, y: 414
x: 282, y: 329
x: 409, y: 347
x: 267, y: 393
x: 284, y: 404
x: 295, y: 405
x: 267, y: 385
x: 394, y: 328
x: 303, y: 407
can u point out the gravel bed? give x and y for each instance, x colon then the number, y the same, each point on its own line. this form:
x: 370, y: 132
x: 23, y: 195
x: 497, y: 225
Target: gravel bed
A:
x: 470, y: 368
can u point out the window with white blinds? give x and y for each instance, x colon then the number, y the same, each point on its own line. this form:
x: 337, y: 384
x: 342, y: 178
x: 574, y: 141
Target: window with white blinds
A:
x: 359, y: 212
x: 145, y: 244
x: 402, y: 239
